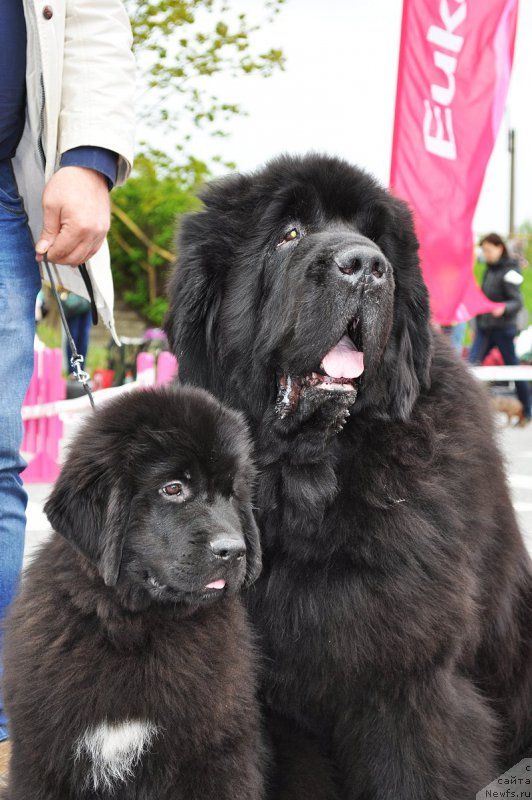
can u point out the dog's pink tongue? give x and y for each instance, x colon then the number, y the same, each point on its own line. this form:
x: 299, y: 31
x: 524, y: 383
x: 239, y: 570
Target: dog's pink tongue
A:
x: 344, y: 360
x: 216, y: 584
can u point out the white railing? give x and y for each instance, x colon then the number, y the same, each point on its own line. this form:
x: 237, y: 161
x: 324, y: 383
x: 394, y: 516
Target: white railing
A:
x: 522, y: 372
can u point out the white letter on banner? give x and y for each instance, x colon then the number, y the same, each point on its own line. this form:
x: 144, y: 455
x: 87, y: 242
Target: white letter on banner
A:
x: 442, y: 38
x: 452, y: 21
x: 444, y: 95
x: 438, y: 144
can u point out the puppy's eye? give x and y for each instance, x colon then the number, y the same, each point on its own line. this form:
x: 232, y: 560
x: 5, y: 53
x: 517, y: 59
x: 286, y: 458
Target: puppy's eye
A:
x: 291, y: 236
x: 173, y: 489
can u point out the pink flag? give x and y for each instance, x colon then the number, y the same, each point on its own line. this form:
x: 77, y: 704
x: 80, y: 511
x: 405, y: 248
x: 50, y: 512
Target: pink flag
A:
x: 454, y: 69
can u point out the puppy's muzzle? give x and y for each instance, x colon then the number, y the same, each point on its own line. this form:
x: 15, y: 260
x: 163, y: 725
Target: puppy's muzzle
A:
x: 228, y: 548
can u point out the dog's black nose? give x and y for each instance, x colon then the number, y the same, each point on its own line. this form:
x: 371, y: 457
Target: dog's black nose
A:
x: 228, y: 548
x: 361, y: 260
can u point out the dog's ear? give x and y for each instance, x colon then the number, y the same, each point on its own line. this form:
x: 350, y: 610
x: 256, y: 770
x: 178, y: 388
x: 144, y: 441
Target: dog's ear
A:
x: 411, y: 357
x: 195, y: 290
x: 408, y: 357
x: 205, y: 242
x: 253, y: 548
x: 243, y: 488
x: 92, y: 513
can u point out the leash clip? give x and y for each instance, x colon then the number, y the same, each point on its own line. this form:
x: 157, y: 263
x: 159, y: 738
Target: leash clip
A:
x: 76, y: 359
x: 76, y: 362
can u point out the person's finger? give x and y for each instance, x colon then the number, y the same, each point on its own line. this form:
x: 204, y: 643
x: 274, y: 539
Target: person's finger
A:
x: 81, y: 252
x: 73, y: 240
x: 85, y: 250
x: 74, y: 259
x: 97, y: 242
x: 50, y: 228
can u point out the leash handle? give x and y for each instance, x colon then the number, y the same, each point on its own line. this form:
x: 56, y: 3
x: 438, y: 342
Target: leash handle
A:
x: 88, y: 285
x: 76, y: 360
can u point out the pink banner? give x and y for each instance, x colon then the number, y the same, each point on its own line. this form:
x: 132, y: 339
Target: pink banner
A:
x: 454, y: 69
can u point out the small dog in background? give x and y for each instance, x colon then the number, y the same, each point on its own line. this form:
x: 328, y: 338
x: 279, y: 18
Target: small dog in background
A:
x: 129, y: 663
x: 510, y: 406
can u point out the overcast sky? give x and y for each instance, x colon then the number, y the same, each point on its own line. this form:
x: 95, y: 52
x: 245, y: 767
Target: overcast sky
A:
x: 337, y: 95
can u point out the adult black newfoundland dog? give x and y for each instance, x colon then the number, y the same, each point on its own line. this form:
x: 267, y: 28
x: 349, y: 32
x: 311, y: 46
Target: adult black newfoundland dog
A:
x: 394, y: 604
x: 129, y: 662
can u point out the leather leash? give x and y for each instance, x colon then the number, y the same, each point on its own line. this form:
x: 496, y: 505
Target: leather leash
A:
x: 76, y: 359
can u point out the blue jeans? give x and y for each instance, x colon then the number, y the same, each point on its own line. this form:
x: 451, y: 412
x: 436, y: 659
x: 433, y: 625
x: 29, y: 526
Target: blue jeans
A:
x: 80, y: 328
x: 503, y: 339
x: 456, y: 335
x: 19, y: 284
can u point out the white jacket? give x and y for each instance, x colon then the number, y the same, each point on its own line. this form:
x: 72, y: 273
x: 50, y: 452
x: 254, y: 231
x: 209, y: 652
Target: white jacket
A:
x: 80, y: 80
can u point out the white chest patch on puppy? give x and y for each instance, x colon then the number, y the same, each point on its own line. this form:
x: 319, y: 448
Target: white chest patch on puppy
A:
x: 113, y: 749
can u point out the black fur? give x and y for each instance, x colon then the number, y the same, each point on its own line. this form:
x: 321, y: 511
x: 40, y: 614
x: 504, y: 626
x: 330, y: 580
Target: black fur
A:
x: 114, y: 622
x: 394, y: 604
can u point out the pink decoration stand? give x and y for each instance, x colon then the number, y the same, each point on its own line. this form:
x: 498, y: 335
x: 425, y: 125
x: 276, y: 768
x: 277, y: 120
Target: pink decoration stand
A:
x: 43, y: 432
x: 146, y: 369
x: 166, y: 367
x: 42, y: 435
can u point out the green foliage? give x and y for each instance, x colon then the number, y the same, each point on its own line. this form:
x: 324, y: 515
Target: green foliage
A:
x: 526, y: 288
x: 156, y: 194
x: 179, y: 43
x: 97, y: 356
x: 526, y: 231
x: 50, y: 335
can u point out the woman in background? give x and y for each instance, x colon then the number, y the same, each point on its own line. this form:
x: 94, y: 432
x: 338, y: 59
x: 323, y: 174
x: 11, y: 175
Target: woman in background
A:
x: 501, y: 283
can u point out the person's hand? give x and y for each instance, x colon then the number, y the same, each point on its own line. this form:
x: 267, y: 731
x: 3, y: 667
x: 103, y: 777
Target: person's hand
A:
x: 499, y: 311
x: 77, y: 215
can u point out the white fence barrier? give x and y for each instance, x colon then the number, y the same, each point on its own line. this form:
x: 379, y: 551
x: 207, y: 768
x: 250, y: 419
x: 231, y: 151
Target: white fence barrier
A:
x: 523, y: 372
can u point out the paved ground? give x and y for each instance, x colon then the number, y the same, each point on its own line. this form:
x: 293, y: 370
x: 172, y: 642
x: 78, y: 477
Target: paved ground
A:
x: 515, y: 442
x: 517, y: 447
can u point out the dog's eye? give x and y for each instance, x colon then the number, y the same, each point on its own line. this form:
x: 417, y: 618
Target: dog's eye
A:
x: 292, y: 236
x: 174, y: 489
x: 177, y: 491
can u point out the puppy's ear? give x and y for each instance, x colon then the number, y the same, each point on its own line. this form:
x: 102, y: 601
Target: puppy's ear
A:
x: 253, y: 548
x: 92, y: 515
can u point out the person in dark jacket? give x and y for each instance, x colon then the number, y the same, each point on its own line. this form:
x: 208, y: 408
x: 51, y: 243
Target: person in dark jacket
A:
x: 501, y: 283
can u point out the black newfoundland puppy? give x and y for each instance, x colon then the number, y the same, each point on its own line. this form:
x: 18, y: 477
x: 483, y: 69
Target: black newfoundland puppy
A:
x: 129, y: 662
x: 395, y: 602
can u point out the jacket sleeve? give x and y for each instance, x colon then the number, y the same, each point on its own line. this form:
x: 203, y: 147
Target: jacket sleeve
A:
x: 513, y: 298
x: 98, y: 86
x: 97, y: 158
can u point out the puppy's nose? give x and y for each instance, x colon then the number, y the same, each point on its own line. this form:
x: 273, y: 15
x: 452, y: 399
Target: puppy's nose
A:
x: 361, y: 260
x: 228, y: 548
